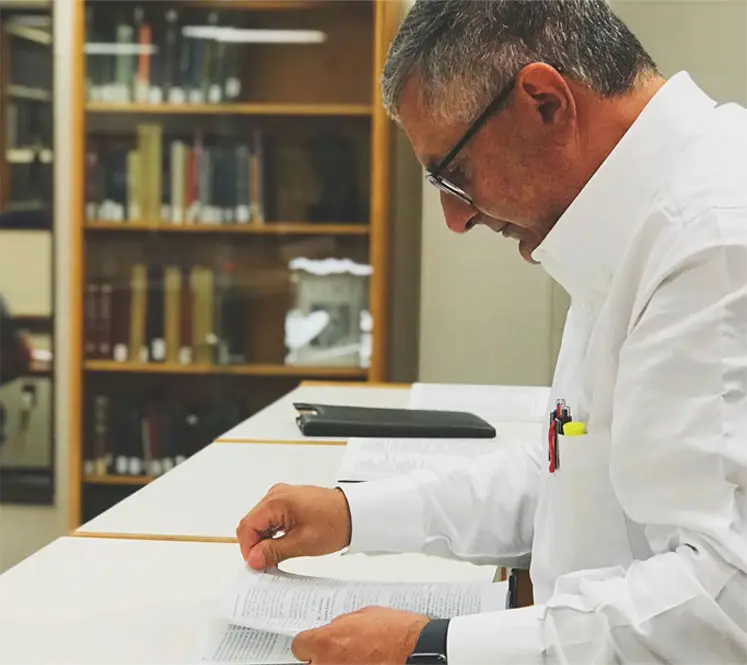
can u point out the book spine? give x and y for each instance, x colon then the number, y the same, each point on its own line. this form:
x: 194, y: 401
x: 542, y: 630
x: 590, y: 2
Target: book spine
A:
x: 105, y: 319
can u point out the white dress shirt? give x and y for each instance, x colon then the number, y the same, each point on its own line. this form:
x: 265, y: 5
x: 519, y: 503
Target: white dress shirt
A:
x: 638, y: 542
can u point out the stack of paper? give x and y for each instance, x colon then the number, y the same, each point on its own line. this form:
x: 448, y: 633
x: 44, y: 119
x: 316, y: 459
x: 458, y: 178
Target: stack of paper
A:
x: 372, y: 459
x: 264, y: 611
x: 492, y: 403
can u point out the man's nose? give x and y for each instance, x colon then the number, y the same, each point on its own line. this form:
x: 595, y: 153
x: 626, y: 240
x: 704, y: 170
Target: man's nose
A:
x: 457, y: 213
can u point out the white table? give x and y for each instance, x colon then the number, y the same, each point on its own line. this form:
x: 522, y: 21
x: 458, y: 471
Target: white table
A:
x: 87, y: 600
x: 209, y: 493
x: 277, y: 422
x: 90, y: 600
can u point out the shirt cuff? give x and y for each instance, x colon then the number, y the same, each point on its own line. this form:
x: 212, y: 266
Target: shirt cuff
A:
x: 387, y: 516
x: 509, y: 637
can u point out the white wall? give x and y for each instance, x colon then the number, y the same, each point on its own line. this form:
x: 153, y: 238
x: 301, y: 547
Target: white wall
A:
x: 485, y: 312
x: 708, y: 38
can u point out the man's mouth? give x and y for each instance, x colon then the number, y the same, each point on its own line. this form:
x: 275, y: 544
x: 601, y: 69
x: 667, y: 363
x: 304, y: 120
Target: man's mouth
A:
x: 495, y: 225
x: 502, y: 228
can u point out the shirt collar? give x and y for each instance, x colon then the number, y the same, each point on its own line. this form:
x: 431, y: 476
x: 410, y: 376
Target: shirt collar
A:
x: 582, y: 251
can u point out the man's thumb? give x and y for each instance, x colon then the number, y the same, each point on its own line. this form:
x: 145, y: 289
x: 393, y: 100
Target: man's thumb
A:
x: 270, y: 552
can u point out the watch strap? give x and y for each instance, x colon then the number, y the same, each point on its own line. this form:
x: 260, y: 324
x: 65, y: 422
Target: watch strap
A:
x: 430, y: 648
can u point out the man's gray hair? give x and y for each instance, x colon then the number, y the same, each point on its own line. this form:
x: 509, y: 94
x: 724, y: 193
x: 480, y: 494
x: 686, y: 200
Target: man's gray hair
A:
x: 462, y: 52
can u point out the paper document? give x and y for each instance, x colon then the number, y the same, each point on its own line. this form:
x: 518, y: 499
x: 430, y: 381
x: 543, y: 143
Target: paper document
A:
x: 228, y: 643
x: 373, y: 459
x: 492, y: 403
x: 262, y: 612
x: 288, y: 604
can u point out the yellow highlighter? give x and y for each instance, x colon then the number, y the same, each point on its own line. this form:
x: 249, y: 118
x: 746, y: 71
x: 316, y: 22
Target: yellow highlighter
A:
x: 571, y: 428
x: 574, y: 428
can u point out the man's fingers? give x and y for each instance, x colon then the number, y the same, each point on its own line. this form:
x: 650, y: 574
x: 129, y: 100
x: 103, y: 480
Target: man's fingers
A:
x: 259, y: 523
x: 247, y: 537
x: 270, y: 552
x: 304, y: 645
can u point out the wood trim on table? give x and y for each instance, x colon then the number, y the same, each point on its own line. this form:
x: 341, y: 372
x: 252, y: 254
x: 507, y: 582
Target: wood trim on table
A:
x: 75, y: 266
x: 286, y: 442
x: 153, y: 536
x: 312, y: 383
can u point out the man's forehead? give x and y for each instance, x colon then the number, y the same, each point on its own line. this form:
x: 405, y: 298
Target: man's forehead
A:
x: 431, y: 140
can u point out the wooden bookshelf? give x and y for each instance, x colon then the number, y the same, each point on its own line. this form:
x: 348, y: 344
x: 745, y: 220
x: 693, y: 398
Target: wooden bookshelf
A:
x: 26, y: 109
x: 223, y: 370
x: 26, y: 195
x: 274, y: 228
x: 262, y: 109
x: 309, y: 120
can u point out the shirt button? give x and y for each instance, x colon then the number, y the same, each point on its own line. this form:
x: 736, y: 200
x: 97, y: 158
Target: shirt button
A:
x: 586, y: 306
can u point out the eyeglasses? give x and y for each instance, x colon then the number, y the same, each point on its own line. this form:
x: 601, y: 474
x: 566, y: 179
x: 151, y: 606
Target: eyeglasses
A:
x: 434, y: 175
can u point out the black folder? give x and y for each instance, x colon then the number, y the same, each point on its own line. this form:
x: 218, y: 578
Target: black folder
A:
x: 349, y: 421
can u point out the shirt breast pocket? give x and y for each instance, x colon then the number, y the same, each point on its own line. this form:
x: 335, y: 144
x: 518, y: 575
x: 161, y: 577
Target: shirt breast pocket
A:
x: 588, y: 524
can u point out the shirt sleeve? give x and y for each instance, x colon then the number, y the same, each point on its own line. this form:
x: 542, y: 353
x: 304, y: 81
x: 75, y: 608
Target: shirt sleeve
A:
x: 678, y: 467
x: 425, y: 511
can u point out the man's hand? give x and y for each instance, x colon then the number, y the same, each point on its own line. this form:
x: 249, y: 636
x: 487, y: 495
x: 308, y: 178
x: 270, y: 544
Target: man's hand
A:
x: 371, y: 636
x: 293, y: 521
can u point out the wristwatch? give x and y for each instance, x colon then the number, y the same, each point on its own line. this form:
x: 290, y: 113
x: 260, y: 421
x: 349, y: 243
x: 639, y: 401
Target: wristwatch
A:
x: 431, y: 645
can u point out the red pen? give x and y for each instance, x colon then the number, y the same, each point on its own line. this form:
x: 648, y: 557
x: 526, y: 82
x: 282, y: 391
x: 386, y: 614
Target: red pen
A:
x: 560, y: 415
x: 551, y: 443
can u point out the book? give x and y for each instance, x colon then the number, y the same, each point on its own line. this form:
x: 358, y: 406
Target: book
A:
x: 160, y: 57
x: 187, y: 179
x: 260, y: 613
x: 150, y: 435
x: 167, y: 313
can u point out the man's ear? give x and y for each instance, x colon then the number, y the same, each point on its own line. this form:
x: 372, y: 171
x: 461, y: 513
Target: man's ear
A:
x: 546, y: 93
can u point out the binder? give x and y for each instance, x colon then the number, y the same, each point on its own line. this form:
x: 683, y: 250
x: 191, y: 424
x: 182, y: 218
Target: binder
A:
x: 349, y: 421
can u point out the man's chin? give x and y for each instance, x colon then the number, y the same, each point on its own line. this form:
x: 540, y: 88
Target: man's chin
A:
x: 526, y: 249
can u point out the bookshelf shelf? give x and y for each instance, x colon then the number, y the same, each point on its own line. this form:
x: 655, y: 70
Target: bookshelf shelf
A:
x: 266, y: 109
x: 225, y: 370
x: 117, y: 480
x: 257, y: 5
x: 273, y: 228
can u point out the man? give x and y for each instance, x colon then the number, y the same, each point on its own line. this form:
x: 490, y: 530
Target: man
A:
x: 549, y: 123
